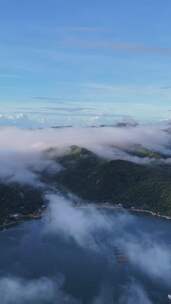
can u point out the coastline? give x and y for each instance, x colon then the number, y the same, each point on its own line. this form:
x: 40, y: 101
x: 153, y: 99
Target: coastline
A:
x: 81, y: 206
x: 21, y: 220
x: 131, y: 210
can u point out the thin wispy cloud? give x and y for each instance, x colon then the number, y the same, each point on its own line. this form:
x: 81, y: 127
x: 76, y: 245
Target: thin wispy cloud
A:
x: 46, y: 98
x: 9, y: 75
x: 110, y: 45
x: 139, y: 93
x: 165, y: 87
x: 82, y: 29
x: 17, y: 290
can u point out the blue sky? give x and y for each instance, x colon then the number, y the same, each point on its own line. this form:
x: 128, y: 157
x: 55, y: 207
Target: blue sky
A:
x: 104, y: 54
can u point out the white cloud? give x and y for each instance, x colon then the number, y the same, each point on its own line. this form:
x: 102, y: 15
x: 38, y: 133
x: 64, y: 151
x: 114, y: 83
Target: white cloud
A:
x: 39, y: 291
x: 148, y: 256
x: 134, y: 293
x: 76, y: 223
x: 84, y: 224
x: 21, y: 151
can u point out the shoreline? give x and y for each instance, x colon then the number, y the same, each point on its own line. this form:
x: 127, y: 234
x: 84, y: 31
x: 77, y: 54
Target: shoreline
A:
x: 21, y: 220
x: 151, y: 213
x: 81, y: 206
x: 131, y: 210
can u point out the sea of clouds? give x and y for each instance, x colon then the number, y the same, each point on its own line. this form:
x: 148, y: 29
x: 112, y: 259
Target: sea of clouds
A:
x: 23, y: 157
x: 81, y: 223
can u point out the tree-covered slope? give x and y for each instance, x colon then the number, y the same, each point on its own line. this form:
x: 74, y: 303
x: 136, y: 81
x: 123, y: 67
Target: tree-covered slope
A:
x: 116, y: 181
x: 94, y: 179
x: 21, y: 200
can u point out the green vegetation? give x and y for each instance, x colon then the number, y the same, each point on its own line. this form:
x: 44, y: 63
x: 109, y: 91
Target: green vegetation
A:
x: 146, y: 187
x: 144, y: 152
x: 117, y: 181
x: 18, y: 200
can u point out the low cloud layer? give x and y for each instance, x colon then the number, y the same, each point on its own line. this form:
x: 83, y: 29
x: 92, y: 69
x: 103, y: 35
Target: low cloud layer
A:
x: 134, y: 293
x: 24, y: 167
x: 22, y: 154
x: 40, y: 291
x: 45, y: 291
x: 152, y: 137
x: 81, y: 224
x: 76, y: 223
x: 148, y: 256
